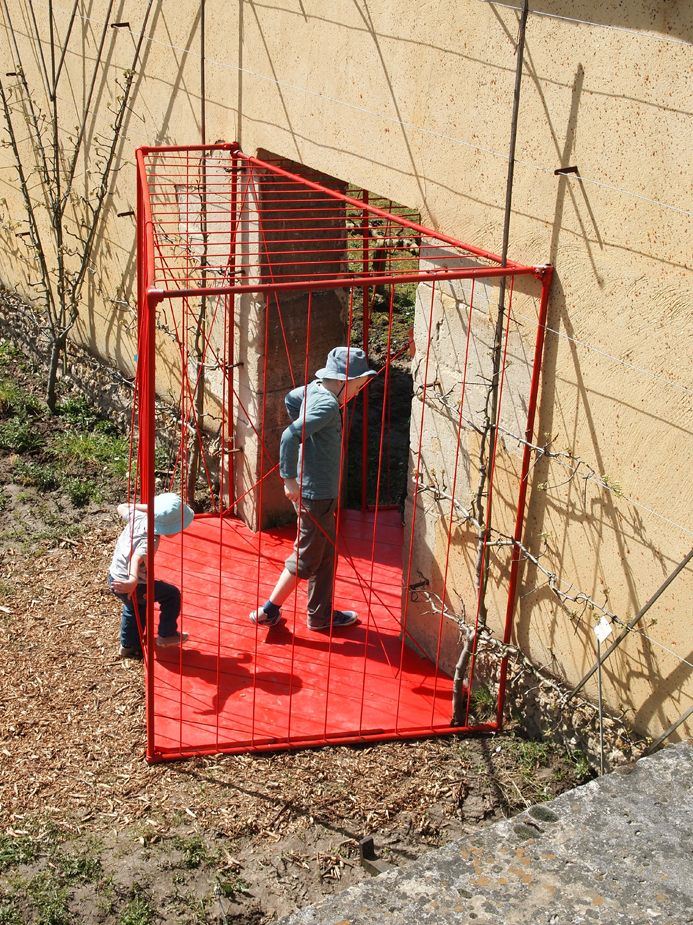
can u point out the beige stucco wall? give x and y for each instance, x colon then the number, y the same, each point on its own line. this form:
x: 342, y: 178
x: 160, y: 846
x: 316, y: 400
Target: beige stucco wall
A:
x: 413, y: 102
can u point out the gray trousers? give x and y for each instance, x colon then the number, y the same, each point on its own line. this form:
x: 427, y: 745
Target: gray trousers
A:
x: 314, y: 555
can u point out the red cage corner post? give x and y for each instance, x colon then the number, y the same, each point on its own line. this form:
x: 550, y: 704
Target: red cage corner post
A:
x: 247, y: 271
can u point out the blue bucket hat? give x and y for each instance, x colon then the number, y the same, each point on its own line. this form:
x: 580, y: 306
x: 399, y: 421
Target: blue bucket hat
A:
x: 339, y: 359
x: 171, y: 515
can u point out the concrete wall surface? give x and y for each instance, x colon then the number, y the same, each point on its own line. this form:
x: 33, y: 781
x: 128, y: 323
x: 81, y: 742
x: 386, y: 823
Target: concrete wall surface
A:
x: 413, y: 102
x: 558, y: 863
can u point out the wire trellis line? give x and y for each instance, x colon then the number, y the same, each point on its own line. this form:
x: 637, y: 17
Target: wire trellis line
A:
x: 379, y: 114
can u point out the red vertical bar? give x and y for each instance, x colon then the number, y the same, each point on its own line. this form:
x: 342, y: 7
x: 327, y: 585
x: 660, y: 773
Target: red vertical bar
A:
x: 304, y: 408
x: 220, y: 564
x: 458, y: 441
x: 231, y: 303
x: 366, y: 319
x: 492, y: 460
x: 522, y: 497
x: 260, y: 483
x: 146, y: 378
x: 338, y: 516
x: 386, y: 388
x: 227, y: 336
x: 414, y: 502
x: 147, y: 425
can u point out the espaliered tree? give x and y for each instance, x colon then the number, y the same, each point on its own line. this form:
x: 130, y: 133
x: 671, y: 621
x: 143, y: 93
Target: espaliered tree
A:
x: 63, y: 220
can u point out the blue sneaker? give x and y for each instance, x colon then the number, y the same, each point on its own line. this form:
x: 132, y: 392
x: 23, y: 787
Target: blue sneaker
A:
x: 340, y: 619
x: 260, y: 618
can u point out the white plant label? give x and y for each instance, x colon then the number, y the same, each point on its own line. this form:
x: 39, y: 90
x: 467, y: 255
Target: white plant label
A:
x: 603, y: 629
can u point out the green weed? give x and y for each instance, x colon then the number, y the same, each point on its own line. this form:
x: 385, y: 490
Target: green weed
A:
x: 15, y: 851
x: 17, y: 436
x: 78, y: 412
x: 10, y: 915
x: 82, y: 491
x: 532, y: 755
x: 107, y: 896
x: 483, y: 702
x: 35, y: 475
x: 9, y: 354
x: 581, y: 765
x: 233, y: 885
x: 50, y: 536
x: 79, y: 868
x: 15, y: 402
x: 194, y: 851
x: 613, y: 486
x: 138, y: 910
x: 105, y: 450
x: 50, y: 900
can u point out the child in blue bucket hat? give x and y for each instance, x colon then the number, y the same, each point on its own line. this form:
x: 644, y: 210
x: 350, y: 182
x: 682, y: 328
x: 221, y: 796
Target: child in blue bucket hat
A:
x: 127, y: 576
x: 309, y: 463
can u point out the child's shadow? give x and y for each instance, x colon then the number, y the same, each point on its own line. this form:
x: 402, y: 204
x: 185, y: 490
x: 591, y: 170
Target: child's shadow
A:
x: 228, y: 675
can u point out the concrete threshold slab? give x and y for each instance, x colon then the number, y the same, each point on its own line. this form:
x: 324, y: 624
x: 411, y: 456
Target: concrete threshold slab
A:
x: 617, y: 850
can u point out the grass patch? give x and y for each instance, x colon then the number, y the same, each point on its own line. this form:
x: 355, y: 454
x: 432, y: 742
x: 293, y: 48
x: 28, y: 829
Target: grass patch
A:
x: 17, y: 436
x: 82, y: 491
x: 483, y: 702
x: 52, y: 528
x: 15, y: 402
x: 581, y: 765
x: 16, y: 851
x: 84, y: 868
x: 108, y: 452
x: 138, y: 910
x: 532, y: 755
x: 194, y: 851
x: 49, y: 899
x: 54, y: 532
x: 35, y: 475
x: 78, y: 412
x: 9, y: 354
x: 10, y: 915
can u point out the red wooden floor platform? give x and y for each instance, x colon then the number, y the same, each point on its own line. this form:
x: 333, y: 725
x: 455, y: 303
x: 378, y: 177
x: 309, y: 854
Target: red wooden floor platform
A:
x: 237, y: 687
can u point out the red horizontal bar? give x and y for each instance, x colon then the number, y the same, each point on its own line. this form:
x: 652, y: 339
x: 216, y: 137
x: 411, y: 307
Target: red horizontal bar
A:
x: 307, y: 742
x: 256, y: 272
x: 280, y: 220
x: 342, y: 236
x: 346, y: 283
x: 267, y: 254
x: 148, y: 150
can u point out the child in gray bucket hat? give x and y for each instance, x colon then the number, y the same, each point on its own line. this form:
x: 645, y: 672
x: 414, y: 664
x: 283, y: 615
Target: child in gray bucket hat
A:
x: 309, y: 463
x: 127, y: 576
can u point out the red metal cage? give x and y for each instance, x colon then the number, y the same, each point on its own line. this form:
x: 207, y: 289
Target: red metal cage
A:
x: 247, y: 272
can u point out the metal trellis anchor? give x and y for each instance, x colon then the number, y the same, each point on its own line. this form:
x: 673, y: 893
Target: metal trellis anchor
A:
x: 369, y: 860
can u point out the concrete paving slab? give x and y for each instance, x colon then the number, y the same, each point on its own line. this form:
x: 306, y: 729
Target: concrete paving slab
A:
x: 618, y: 850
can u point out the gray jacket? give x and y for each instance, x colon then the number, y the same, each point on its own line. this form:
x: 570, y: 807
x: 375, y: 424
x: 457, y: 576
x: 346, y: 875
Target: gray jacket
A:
x: 310, y: 448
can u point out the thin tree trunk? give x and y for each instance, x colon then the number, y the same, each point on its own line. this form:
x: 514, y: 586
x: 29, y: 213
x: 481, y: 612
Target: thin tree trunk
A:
x: 458, y: 688
x: 57, y: 347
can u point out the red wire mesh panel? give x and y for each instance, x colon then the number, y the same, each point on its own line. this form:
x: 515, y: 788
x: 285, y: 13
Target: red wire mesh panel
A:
x: 248, y: 272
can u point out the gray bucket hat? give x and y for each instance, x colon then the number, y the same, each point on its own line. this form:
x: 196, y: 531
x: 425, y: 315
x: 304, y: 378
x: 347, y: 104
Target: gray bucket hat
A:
x: 171, y: 515
x: 343, y: 359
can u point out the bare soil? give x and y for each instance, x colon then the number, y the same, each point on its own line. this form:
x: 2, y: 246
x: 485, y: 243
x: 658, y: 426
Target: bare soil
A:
x: 90, y: 833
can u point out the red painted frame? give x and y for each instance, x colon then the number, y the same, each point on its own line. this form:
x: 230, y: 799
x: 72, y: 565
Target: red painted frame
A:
x: 151, y: 290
